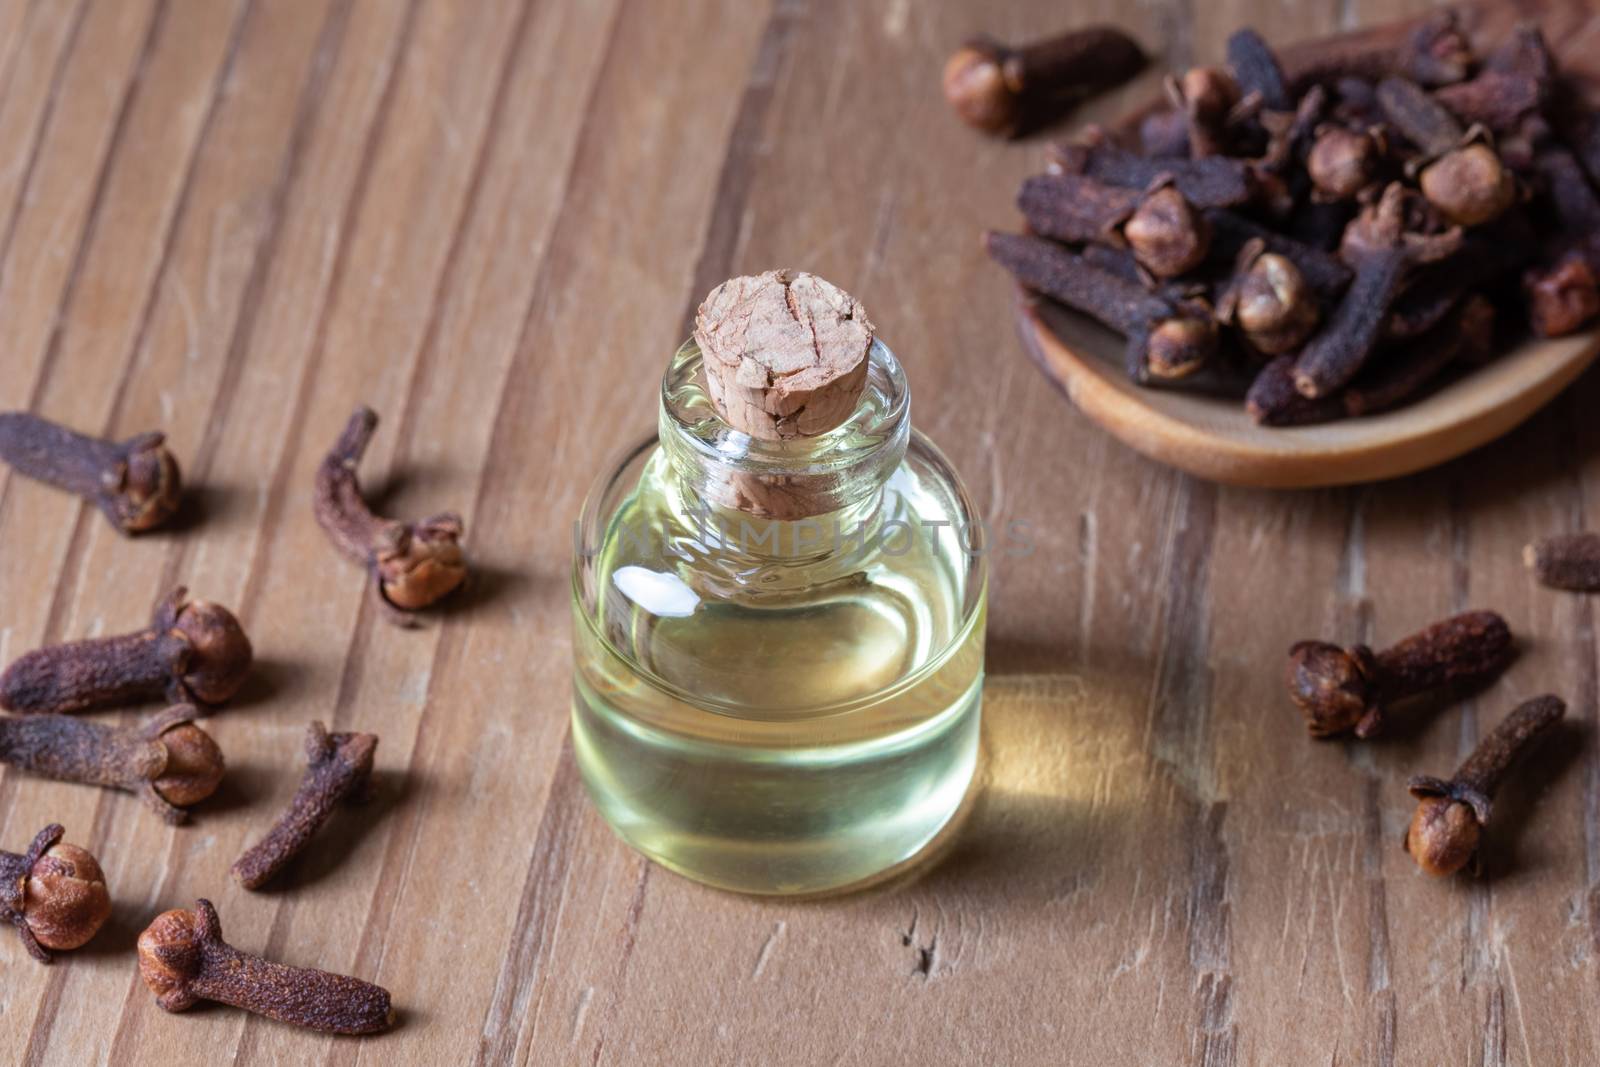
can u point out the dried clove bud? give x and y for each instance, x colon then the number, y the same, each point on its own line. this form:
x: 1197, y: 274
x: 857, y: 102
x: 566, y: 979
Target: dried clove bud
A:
x: 1000, y: 89
x: 1343, y: 690
x: 1343, y: 162
x: 413, y: 564
x: 1433, y: 52
x: 1167, y: 234
x: 135, y: 483
x: 1270, y: 302
x: 1517, y: 81
x: 167, y: 760
x: 193, y: 652
x: 1461, y: 174
x: 1447, y: 829
x: 1471, y: 185
x: 183, y: 959
x: 1384, y: 251
x: 1564, y: 296
x: 338, y: 766
x: 1566, y: 561
x: 54, y: 894
x: 1165, y: 339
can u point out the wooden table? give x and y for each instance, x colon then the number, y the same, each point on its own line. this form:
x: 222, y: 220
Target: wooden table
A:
x: 489, y: 220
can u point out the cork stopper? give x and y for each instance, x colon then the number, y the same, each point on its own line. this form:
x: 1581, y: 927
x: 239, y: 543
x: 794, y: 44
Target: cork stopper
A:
x: 785, y: 353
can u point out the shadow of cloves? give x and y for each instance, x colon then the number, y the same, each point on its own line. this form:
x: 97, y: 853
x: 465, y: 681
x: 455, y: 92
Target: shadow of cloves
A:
x: 1504, y: 849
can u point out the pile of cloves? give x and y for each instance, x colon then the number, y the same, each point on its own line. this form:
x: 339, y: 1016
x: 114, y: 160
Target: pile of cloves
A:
x: 1333, y: 232
x: 195, y: 655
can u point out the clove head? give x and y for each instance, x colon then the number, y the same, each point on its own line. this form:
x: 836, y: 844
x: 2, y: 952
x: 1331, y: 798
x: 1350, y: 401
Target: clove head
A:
x: 1563, y: 298
x: 148, y: 487
x: 1443, y: 835
x: 1167, y: 234
x: 194, y: 766
x: 1275, y: 308
x: 420, y: 563
x: 1343, y: 162
x: 1334, y: 688
x: 65, y: 900
x: 219, y: 655
x: 1177, y: 347
x: 1398, y: 219
x: 976, y: 86
x: 1470, y: 186
x: 172, y: 953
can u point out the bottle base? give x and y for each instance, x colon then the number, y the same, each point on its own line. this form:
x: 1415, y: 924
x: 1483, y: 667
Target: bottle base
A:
x: 908, y: 870
x: 812, y: 822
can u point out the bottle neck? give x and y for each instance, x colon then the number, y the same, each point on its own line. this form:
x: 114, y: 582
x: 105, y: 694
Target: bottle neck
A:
x: 833, y: 480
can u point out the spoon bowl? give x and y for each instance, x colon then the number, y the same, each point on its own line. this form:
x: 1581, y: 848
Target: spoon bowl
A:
x: 1213, y: 437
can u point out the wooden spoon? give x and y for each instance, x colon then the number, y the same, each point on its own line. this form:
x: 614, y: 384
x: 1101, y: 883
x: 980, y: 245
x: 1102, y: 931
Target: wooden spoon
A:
x: 1214, y: 438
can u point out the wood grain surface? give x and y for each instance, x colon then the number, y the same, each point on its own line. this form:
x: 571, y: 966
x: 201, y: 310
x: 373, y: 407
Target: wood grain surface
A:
x: 235, y: 219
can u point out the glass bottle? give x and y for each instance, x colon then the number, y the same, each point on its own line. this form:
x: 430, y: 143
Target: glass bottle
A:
x: 778, y: 645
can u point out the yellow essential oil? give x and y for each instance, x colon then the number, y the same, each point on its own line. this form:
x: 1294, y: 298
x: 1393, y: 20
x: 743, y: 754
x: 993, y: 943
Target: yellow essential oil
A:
x: 779, y: 704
